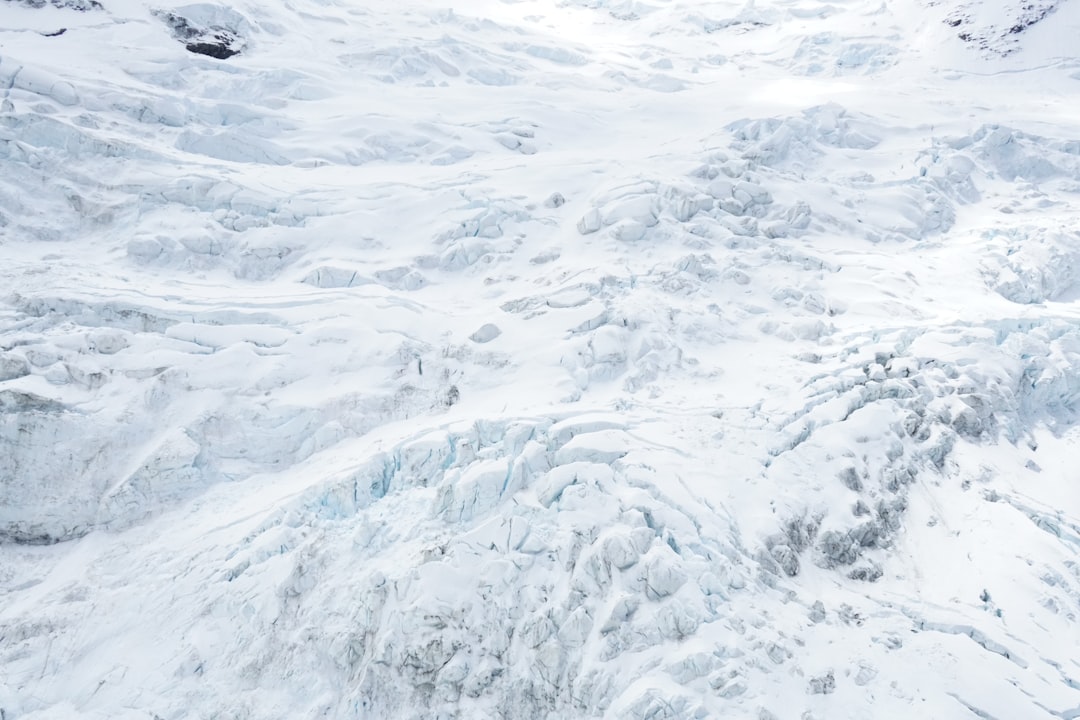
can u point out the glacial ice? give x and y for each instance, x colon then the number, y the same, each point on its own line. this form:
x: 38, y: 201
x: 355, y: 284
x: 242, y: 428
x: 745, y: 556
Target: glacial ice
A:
x: 535, y: 361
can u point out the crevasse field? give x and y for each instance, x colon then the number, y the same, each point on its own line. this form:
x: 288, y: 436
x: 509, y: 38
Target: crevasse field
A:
x: 539, y: 359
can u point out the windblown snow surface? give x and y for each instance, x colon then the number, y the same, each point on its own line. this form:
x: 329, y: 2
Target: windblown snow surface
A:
x: 539, y: 359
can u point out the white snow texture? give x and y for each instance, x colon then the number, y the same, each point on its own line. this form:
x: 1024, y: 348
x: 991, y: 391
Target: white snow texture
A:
x: 539, y: 359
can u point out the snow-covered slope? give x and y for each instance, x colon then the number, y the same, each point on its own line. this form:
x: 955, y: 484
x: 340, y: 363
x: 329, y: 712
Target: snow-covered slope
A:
x: 539, y: 359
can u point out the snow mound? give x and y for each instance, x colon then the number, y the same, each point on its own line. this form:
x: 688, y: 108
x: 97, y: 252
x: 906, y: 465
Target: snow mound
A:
x: 1033, y: 265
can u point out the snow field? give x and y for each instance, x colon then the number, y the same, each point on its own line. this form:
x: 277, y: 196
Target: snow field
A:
x: 593, y: 359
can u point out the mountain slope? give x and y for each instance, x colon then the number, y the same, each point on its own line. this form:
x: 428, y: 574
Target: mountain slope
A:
x: 582, y: 359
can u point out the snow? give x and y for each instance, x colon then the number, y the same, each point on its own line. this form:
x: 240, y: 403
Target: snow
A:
x: 539, y: 359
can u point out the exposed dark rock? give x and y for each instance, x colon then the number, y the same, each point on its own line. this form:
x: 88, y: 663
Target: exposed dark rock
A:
x: 221, y: 49
x: 998, y: 39
x: 77, y: 5
x: 213, y: 41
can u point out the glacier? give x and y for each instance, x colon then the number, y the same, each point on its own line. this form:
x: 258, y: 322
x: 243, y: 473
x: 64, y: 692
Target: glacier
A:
x: 593, y: 358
